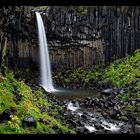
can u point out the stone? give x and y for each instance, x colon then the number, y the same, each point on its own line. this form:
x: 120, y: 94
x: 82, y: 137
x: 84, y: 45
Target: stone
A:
x: 29, y: 121
x: 122, y: 91
x: 137, y: 129
x: 104, y: 114
x: 80, y: 123
x: 80, y: 130
x: 133, y: 102
x: 137, y: 121
x: 98, y: 126
x: 137, y: 100
x: 107, y: 92
x: 84, y: 116
x: 114, y: 113
x: 71, y: 122
x: 138, y: 108
x: 6, y: 114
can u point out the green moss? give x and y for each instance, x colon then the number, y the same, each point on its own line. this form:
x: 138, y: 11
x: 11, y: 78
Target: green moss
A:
x: 124, y: 97
x: 42, y: 7
x: 120, y: 72
x: 82, y: 10
x: 123, y: 118
x: 131, y: 108
x: 31, y: 104
x: 123, y: 71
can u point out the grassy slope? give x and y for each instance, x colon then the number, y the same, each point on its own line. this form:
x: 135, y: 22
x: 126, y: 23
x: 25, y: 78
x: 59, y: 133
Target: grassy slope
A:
x: 119, y: 73
x: 29, y: 105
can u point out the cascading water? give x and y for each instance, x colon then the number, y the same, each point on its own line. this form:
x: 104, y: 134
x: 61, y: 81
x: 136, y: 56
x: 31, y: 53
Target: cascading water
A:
x: 46, y: 76
x: 76, y: 109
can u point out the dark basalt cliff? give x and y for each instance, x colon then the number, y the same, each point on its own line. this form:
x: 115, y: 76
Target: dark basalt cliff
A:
x: 100, y: 35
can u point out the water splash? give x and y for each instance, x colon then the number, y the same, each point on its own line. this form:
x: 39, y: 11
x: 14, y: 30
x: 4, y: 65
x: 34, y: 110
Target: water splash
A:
x: 72, y: 107
x: 45, y: 69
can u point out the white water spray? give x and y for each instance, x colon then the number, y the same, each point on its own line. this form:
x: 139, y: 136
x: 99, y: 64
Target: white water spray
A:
x: 46, y: 76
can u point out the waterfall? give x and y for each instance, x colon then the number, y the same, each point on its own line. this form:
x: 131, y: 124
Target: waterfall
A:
x: 45, y: 69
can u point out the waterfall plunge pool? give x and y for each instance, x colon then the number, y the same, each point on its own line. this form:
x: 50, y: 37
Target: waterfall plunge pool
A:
x: 69, y: 93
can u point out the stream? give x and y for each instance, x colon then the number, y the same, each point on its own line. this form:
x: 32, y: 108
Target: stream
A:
x: 85, y: 119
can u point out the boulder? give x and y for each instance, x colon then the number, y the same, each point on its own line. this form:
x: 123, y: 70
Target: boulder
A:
x: 29, y: 121
x: 107, y: 92
x: 6, y: 114
x: 114, y: 113
x: 83, y: 116
x: 82, y: 130
x: 137, y: 129
x: 137, y: 121
x: 137, y: 100
x: 71, y: 122
x: 80, y: 123
x: 98, y: 126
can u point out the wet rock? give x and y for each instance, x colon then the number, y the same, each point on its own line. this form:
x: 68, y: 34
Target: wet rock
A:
x: 100, y: 132
x: 82, y: 130
x: 137, y: 100
x: 76, y: 104
x: 6, y: 114
x: 133, y: 102
x: 114, y: 113
x: 107, y: 92
x: 138, y: 108
x: 29, y: 121
x: 124, y: 131
x: 137, y: 129
x: 122, y: 91
x: 137, y: 121
x: 96, y: 102
x: 106, y: 105
x: 88, y: 101
x: 104, y: 114
x: 79, y: 101
x: 98, y: 126
x: 61, y: 112
x: 71, y: 122
x: 105, y: 131
x: 80, y: 123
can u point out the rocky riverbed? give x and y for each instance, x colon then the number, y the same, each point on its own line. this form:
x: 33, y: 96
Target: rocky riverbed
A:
x: 95, y: 115
x: 101, y: 114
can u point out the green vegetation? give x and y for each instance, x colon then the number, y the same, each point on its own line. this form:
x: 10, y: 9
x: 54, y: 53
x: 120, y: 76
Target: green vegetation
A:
x: 18, y: 95
x: 42, y: 7
x: 124, y: 71
x: 82, y: 10
x: 119, y: 73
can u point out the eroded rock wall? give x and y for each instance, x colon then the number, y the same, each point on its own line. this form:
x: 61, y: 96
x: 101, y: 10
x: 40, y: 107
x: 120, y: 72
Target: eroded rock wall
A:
x: 102, y: 34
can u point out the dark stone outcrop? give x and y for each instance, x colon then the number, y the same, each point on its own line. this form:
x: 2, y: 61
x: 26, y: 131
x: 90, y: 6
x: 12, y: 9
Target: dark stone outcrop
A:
x: 29, y: 122
x: 7, y: 113
x: 100, y: 35
x: 106, y: 92
x: 137, y: 129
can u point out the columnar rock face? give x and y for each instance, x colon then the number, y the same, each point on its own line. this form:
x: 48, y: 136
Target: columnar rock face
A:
x: 100, y: 35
